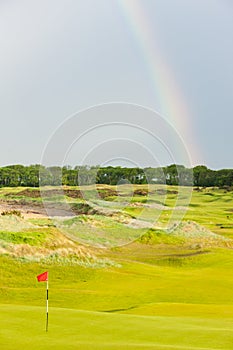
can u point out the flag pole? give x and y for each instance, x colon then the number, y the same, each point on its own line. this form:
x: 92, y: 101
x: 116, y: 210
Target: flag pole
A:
x: 47, y: 305
x: 44, y: 277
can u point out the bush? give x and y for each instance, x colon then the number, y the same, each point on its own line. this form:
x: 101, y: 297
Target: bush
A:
x: 12, y: 212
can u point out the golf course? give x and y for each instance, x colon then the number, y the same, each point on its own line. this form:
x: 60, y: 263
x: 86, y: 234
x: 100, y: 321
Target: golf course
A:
x: 116, y: 175
x: 119, y: 276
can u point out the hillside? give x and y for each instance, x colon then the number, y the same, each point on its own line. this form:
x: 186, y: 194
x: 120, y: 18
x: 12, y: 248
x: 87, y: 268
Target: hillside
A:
x: 87, y: 219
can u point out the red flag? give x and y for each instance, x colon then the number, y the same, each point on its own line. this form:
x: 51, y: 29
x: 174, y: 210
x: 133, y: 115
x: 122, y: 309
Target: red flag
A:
x: 43, y: 277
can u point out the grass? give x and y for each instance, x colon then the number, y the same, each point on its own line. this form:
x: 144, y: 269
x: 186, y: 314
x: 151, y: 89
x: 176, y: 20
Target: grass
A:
x: 74, y: 329
x: 138, y: 306
x: 31, y: 237
x: 201, y: 279
x: 161, y: 292
x: 99, y: 230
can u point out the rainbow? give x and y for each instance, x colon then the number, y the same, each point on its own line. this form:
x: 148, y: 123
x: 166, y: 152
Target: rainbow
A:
x: 171, y: 101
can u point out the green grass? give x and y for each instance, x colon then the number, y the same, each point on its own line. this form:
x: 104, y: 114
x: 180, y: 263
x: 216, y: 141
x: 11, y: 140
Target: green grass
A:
x: 41, y: 222
x: 99, y: 230
x: 31, y: 237
x: 200, y: 279
x: 140, y: 305
x: 163, y: 292
x: 23, y: 328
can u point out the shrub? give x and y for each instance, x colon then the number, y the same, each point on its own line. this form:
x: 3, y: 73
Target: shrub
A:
x: 12, y: 212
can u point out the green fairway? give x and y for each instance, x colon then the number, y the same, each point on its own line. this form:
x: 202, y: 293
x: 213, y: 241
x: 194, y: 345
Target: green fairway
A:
x: 138, y: 305
x: 22, y: 328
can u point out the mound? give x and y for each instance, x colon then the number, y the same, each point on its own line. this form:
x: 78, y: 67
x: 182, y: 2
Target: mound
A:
x: 141, y: 192
x: 72, y: 193
x: 22, y: 240
x: 14, y: 223
x: 193, y: 232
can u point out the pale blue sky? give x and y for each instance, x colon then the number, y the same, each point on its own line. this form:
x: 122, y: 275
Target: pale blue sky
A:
x: 58, y: 57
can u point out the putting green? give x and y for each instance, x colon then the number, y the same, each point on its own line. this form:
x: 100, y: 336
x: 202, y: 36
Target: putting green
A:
x: 23, y: 327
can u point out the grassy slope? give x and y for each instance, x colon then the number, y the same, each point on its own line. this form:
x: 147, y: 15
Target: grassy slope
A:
x: 205, y: 279
x: 213, y: 209
x: 137, y: 306
x: 156, y: 300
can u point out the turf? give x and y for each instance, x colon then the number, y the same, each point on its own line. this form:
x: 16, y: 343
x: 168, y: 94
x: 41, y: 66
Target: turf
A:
x: 23, y: 328
x: 162, y: 292
x: 138, y: 305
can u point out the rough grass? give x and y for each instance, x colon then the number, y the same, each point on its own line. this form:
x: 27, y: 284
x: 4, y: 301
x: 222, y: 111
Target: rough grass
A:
x: 209, y: 207
x: 99, y: 231
x: 14, y: 223
x: 31, y: 237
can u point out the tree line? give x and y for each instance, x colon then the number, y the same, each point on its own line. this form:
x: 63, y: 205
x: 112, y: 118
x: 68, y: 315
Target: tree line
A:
x: 39, y: 175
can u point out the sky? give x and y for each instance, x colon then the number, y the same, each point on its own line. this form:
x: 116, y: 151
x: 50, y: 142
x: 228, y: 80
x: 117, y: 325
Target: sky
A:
x: 61, y: 58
